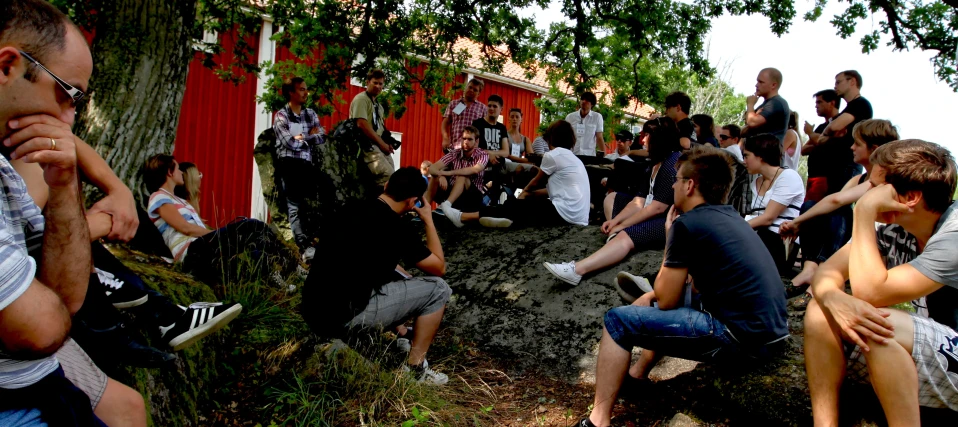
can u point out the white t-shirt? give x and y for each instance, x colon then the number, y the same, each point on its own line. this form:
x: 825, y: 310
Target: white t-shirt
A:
x: 568, y: 185
x: 615, y: 156
x: 736, y: 152
x: 787, y: 189
x: 585, y: 130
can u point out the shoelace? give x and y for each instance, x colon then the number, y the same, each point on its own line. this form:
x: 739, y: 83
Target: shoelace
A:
x: 108, y: 279
x: 199, y: 305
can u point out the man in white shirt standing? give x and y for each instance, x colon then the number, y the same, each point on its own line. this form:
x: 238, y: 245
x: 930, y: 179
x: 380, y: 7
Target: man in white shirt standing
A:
x: 588, y: 126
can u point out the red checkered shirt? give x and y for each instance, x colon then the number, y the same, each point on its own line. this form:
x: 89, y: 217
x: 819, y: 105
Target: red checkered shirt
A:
x: 465, y: 118
x: 456, y: 159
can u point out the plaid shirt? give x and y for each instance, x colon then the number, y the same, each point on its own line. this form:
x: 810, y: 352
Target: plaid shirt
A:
x: 456, y: 159
x: 21, y: 230
x: 286, y: 143
x: 459, y: 121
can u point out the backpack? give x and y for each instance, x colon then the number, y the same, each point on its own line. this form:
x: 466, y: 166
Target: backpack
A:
x: 740, y: 195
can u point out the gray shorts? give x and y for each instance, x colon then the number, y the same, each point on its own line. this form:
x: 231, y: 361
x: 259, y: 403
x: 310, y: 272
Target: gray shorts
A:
x: 935, y: 353
x: 401, y: 300
x: 81, y: 371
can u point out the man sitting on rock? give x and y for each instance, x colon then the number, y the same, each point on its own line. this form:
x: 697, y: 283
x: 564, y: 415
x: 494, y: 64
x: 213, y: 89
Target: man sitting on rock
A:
x: 564, y: 200
x: 459, y: 173
x: 358, y: 286
x: 910, y: 359
x: 738, y: 312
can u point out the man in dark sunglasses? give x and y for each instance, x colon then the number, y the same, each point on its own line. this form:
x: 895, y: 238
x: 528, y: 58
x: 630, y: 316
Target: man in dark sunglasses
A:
x: 45, y: 68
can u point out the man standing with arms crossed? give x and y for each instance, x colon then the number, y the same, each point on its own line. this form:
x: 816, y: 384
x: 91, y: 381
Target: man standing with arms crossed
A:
x: 772, y: 116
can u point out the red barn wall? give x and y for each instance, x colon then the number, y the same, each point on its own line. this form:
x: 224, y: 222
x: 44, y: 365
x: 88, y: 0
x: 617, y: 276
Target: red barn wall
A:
x: 216, y: 132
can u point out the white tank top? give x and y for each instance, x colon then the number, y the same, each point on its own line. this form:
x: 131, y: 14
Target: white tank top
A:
x: 790, y: 160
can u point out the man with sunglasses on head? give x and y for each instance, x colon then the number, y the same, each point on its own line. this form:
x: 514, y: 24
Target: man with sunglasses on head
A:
x: 357, y: 282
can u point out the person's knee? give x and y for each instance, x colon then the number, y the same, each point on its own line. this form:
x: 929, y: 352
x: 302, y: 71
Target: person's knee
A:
x: 442, y: 291
x: 623, y: 241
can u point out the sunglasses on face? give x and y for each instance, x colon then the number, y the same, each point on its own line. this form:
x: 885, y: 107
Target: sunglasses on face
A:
x: 724, y: 137
x: 75, y: 94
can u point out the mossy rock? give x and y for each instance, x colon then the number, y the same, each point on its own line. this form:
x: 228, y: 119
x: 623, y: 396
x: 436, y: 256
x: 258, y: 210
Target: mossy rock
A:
x: 172, y: 394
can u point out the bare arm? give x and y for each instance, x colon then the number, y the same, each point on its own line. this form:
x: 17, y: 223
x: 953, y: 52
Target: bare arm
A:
x: 434, y: 264
x: 850, y: 194
x: 99, y: 224
x: 445, y: 128
x: 669, y: 284
x: 767, y: 218
x: 436, y: 168
x: 35, y: 324
x: 600, y: 142
x: 534, y: 183
x: 685, y: 142
x: 469, y: 171
x: 172, y: 217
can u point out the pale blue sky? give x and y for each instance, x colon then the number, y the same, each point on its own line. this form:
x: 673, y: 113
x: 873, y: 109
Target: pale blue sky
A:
x: 900, y: 85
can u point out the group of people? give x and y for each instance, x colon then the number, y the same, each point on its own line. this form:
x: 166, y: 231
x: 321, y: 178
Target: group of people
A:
x: 669, y: 187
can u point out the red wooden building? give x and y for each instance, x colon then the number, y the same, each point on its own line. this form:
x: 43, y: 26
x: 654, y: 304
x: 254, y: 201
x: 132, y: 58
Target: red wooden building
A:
x: 219, y: 123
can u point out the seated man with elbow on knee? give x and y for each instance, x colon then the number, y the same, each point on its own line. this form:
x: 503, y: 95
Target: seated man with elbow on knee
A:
x: 458, y: 176
x: 910, y: 359
x: 738, y: 313
x: 357, y: 281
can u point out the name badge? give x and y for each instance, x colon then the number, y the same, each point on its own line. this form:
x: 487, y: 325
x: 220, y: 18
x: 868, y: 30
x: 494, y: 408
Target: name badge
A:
x: 459, y: 109
x: 648, y: 200
x: 580, y: 130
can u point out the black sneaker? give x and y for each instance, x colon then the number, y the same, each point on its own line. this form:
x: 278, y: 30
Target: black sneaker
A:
x: 120, y: 294
x: 584, y: 423
x: 199, y: 320
x: 117, y: 345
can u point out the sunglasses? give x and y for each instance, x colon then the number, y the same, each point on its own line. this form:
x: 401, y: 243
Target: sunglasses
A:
x: 724, y: 137
x: 75, y: 94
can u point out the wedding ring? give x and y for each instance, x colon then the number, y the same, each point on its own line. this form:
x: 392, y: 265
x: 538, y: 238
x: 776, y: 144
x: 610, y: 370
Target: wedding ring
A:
x: 53, y: 144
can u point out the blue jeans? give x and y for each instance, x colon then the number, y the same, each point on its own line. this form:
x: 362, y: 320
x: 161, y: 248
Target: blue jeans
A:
x: 21, y: 418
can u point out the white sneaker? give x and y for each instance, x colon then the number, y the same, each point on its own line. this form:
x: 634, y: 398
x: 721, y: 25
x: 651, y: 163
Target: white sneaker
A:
x: 503, y: 197
x: 445, y: 205
x: 309, y: 253
x: 495, y: 222
x: 564, y: 271
x: 454, y: 215
x: 630, y: 286
x: 277, y: 279
x: 302, y: 272
x: 428, y: 376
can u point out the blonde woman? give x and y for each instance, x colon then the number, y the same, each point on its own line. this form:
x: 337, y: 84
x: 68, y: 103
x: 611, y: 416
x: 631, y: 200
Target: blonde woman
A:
x: 190, y: 190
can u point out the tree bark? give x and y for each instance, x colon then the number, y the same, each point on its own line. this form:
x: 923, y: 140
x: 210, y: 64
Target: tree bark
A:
x: 141, y: 55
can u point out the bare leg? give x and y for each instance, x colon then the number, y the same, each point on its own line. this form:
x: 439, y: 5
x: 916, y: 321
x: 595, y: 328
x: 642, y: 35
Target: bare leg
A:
x: 607, y: 205
x: 425, y: 327
x: 432, y: 189
x: 647, y: 360
x: 805, y: 277
x: 610, y: 370
x: 612, y: 253
x: 893, y: 373
x: 824, y: 364
x: 469, y: 216
x: 121, y: 406
x: 462, y: 183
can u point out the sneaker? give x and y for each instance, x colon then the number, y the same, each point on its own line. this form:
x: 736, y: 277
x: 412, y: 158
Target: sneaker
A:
x: 277, y: 279
x: 495, y: 222
x: 424, y: 375
x: 118, y: 345
x: 303, y: 272
x: 199, y: 320
x: 454, y: 215
x: 503, y: 197
x: 119, y: 294
x: 564, y: 271
x: 585, y: 422
x: 309, y: 253
x: 630, y: 286
x: 404, y: 343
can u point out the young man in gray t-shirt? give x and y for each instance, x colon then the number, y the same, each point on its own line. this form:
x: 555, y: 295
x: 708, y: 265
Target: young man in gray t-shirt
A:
x: 910, y: 359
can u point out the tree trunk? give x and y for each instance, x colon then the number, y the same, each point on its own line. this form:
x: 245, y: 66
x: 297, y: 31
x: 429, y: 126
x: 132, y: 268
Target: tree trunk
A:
x: 141, y: 57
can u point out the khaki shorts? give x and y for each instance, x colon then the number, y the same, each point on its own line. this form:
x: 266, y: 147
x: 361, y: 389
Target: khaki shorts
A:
x: 81, y: 371
x: 381, y: 165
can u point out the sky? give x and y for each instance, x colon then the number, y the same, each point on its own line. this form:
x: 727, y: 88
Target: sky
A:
x: 900, y: 85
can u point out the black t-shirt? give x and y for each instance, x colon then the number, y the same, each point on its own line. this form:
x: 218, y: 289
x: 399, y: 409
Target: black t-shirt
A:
x: 737, y: 282
x: 687, y: 129
x: 776, y: 111
x: 818, y: 161
x: 360, y: 255
x: 842, y: 165
x: 490, y: 136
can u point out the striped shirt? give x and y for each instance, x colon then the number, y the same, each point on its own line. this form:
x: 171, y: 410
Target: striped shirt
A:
x: 456, y: 159
x: 286, y: 143
x: 177, y: 242
x: 21, y: 230
x: 465, y: 118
